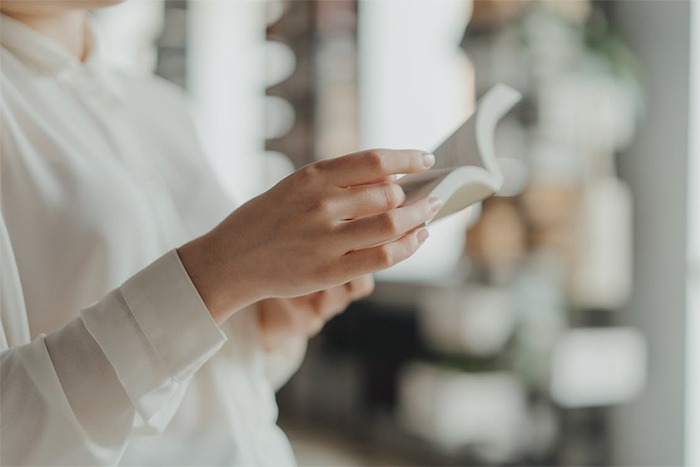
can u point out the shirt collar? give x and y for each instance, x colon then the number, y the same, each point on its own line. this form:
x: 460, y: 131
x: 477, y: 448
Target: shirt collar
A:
x: 48, y: 57
x: 43, y: 53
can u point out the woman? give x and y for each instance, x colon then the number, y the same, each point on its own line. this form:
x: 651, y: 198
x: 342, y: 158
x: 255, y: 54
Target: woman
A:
x: 143, y: 322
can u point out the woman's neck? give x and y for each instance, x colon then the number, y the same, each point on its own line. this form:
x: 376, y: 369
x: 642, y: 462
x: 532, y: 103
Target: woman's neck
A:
x: 68, y: 29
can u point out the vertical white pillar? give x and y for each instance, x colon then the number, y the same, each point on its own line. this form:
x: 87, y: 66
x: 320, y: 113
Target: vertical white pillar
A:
x: 692, y: 436
x: 416, y: 84
x: 226, y: 81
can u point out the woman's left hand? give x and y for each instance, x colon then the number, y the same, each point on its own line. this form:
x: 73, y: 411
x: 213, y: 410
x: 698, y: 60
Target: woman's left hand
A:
x: 284, y: 318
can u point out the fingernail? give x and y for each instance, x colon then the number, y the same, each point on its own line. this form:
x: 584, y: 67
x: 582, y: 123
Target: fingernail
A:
x: 423, y: 234
x: 435, y: 204
x: 428, y: 160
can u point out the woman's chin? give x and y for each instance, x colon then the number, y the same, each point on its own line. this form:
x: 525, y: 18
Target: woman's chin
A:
x: 42, y: 7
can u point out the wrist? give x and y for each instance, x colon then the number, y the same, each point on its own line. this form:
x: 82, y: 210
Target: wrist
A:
x: 223, y: 289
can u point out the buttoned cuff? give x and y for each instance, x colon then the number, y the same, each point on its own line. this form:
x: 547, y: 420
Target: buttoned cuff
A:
x: 156, y: 332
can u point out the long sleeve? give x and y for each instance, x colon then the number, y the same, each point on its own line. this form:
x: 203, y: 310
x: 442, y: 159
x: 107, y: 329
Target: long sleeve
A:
x: 74, y: 396
x: 101, y: 174
x: 202, y: 204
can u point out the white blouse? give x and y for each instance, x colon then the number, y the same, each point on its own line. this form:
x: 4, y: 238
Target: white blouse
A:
x: 102, y: 177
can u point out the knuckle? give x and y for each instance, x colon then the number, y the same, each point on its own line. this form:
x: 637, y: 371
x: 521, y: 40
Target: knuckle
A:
x: 392, y: 194
x: 362, y: 287
x: 375, y: 161
x: 385, y: 256
x: 323, y: 207
x: 411, y: 247
x: 308, y: 174
x: 388, y: 224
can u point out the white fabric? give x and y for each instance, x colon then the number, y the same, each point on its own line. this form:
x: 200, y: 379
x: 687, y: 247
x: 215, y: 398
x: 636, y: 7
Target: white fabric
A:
x: 102, y: 178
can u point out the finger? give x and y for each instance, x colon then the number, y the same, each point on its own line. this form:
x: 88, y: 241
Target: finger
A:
x: 387, y: 179
x: 306, y: 316
x: 276, y: 315
x: 380, y: 228
x: 334, y: 301
x: 313, y: 325
x: 361, y: 287
x: 366, y: 200
x: 362, y: 167
x: 384, y: 256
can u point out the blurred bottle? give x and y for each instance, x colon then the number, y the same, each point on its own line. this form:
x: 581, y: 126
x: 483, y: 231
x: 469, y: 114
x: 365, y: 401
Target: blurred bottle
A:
x: 602, y: 270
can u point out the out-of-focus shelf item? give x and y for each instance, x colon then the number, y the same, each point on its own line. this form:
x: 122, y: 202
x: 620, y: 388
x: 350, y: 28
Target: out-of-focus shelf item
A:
x: 598, y: 366
x: 602, y: 275
x: 455, y: 409
x: 476, y: 320
x: 312, y: 106
x: 317, y: 446
x: 290, y: 113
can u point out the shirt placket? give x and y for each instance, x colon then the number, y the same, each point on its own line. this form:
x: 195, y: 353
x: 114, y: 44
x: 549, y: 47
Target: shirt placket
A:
x: 129, y: 149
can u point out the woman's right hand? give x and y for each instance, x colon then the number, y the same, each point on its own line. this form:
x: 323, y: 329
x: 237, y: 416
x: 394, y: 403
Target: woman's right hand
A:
x: 324, y: 225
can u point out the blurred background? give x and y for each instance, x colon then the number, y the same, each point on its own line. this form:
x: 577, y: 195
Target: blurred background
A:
x: 555, y: 324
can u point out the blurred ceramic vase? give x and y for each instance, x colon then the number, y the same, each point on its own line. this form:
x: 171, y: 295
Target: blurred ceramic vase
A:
x: 497, y: 242
x: 598, y: 366
x: 484, y: 412
x: 475, y: 320
x: 602, y: 270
